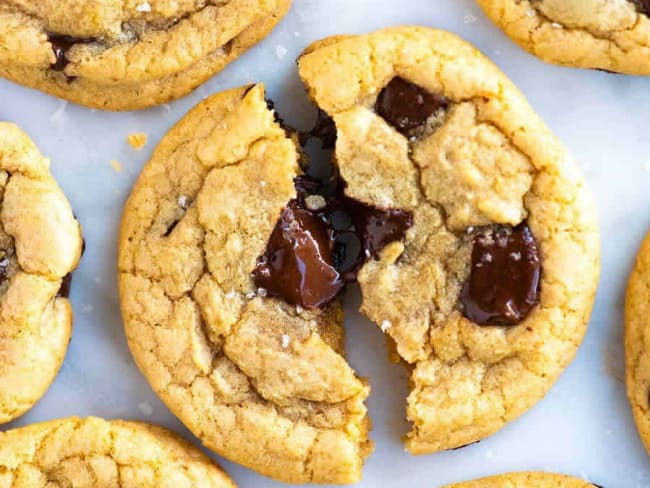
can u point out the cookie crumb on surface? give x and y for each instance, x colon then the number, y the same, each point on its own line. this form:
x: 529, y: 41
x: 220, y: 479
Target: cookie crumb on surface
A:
x: 116, y: 165
x: 137, y: 140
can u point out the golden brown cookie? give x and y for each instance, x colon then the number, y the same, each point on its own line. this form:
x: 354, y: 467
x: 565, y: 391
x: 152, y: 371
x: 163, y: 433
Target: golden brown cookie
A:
x: 40, y: 245
x: 637, y: 341
x: 258, y: 381
x: 103, y: 454
x: 118, y: 55
x: 526, y: 480
x: 601, y: 34
x: 487, y: 296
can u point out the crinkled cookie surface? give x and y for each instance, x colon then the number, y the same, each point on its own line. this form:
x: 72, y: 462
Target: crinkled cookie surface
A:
x: 637, y: 342
x: 103, y: 454
x: 611, y: 35
x: 526, y: 480
x: 258, y: 381
x: 40, y: 244
x: 127, y: 54
x: 489, y: 160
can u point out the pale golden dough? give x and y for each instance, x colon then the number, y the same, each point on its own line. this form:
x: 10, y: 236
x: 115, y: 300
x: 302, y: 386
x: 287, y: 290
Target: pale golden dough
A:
x: 601, y: 34
x: 525, y: 480
x: 103, y: 454
x: 143, y: 53
x: 491, y: 161
x: 637, y: 341
x: 40, y: 243
x: 258, y: 381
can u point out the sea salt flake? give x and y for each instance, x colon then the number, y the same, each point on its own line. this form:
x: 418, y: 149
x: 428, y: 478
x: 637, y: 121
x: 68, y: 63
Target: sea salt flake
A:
x: 469, y: 19
x: 385, y: 325
x: 286, y: 340
x: 144, y: 7
x: 281, y: 51
x: 231, y: 294
x: 250, y: 294
x: 261, y: 292
x: 183, y: 201
x: 555, y: 25
x: 515, y: 256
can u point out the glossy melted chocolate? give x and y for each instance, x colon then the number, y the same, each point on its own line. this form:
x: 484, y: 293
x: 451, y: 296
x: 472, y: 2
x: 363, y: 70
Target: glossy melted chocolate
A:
x: 504, y: 281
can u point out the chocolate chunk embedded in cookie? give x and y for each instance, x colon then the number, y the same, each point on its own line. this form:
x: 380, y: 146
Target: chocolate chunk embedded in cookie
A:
x: 127, y: 55
x: 599, y: 34
x: 40, y: 245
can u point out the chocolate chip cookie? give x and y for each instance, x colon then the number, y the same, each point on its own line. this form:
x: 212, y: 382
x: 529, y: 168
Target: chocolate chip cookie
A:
x: 526, y: 480
x: 637, y: 333
x: 40, y: 245
x: 260, y: 381
x: 116, y: 55
x: 96, y: 453
x: 487, y: 292
x: 601, y: 34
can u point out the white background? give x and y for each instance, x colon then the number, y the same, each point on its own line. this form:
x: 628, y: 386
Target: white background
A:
x: 583, y: 427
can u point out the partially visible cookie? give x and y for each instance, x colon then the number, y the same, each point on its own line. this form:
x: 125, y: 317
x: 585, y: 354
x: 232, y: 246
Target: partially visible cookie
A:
x: 526, y: 480
x: 103, y: 454
x: 487, y: 295
x: 118, y: 55
x: 637, y: 341
x: 601, y: 34
x: 40, y: 245
x: 261, y: 382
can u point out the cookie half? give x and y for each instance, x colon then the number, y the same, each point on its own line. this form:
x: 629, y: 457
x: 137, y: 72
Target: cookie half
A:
x: 526, y: 480
x: 637, y: 335
x: 127, y: 55
x: 40, y: 245
x: 261, y: 382
x: 600, y: 34
x: 97, y: 453
x: 487, y: 296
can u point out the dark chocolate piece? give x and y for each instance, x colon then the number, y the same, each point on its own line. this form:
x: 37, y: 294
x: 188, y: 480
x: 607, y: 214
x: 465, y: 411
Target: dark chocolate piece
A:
x: 61, y: 44
x: 642, y: 6
x: 64, y: 290
x: 504, y: 281
x: 324, y: 129
x: 314, y: 251
x: 407, y: 106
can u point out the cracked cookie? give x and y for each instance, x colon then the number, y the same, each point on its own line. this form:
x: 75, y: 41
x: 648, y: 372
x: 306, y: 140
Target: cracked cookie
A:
x: 97, y: 453
x: 601, y: 34
x: 117, y: 55
x: 487, y: 296
x: 259, y: 381
x: 526, y: 480
x: 637, y: 333
x: 40, y: 245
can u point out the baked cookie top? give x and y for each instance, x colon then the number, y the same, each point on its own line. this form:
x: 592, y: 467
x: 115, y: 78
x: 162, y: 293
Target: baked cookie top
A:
x: 637, y: 335
x: 97, y: 453
x: 526, y: 480
x: 40, y: 244
x: 611, y: 35
x: 259, y: 381
x: 487, y: 296
x: 125, y: 55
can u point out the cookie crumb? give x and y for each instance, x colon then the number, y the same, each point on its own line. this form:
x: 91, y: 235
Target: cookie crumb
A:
x: 116, y: 165
x: 286, y: 340
x: 144, y: 7
x: 385, y: 325
x: 281, y: 51
x: 137, y: 140
x: 315, y: 202
x: 145, y: 408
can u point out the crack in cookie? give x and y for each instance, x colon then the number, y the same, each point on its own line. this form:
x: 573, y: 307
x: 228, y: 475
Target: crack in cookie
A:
x: 124, y: 55
x: 96, y: 453
x: 40, y: 245
x: 597, y: 34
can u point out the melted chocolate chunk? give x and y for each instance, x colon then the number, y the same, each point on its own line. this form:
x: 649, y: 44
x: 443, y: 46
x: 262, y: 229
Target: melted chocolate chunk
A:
x: 407, y: 106
x: 61, y: 44
x: 504, y: 281
x: 64, y: 290
x: 314, y: 251
x: 324, y: 129
x: 642, y: 6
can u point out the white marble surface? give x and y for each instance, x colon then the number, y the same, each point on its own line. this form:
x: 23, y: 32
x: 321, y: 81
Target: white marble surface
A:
x: 583, y: 427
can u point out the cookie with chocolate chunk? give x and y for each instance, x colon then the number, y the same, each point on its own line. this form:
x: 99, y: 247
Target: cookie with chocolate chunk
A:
x: 487, y: 294
x: 599, y: 34
x: 97, y: 453
x: 637, y: 333
x: 116, y: 55
x: 40, y: 245
x: 526, y: 480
